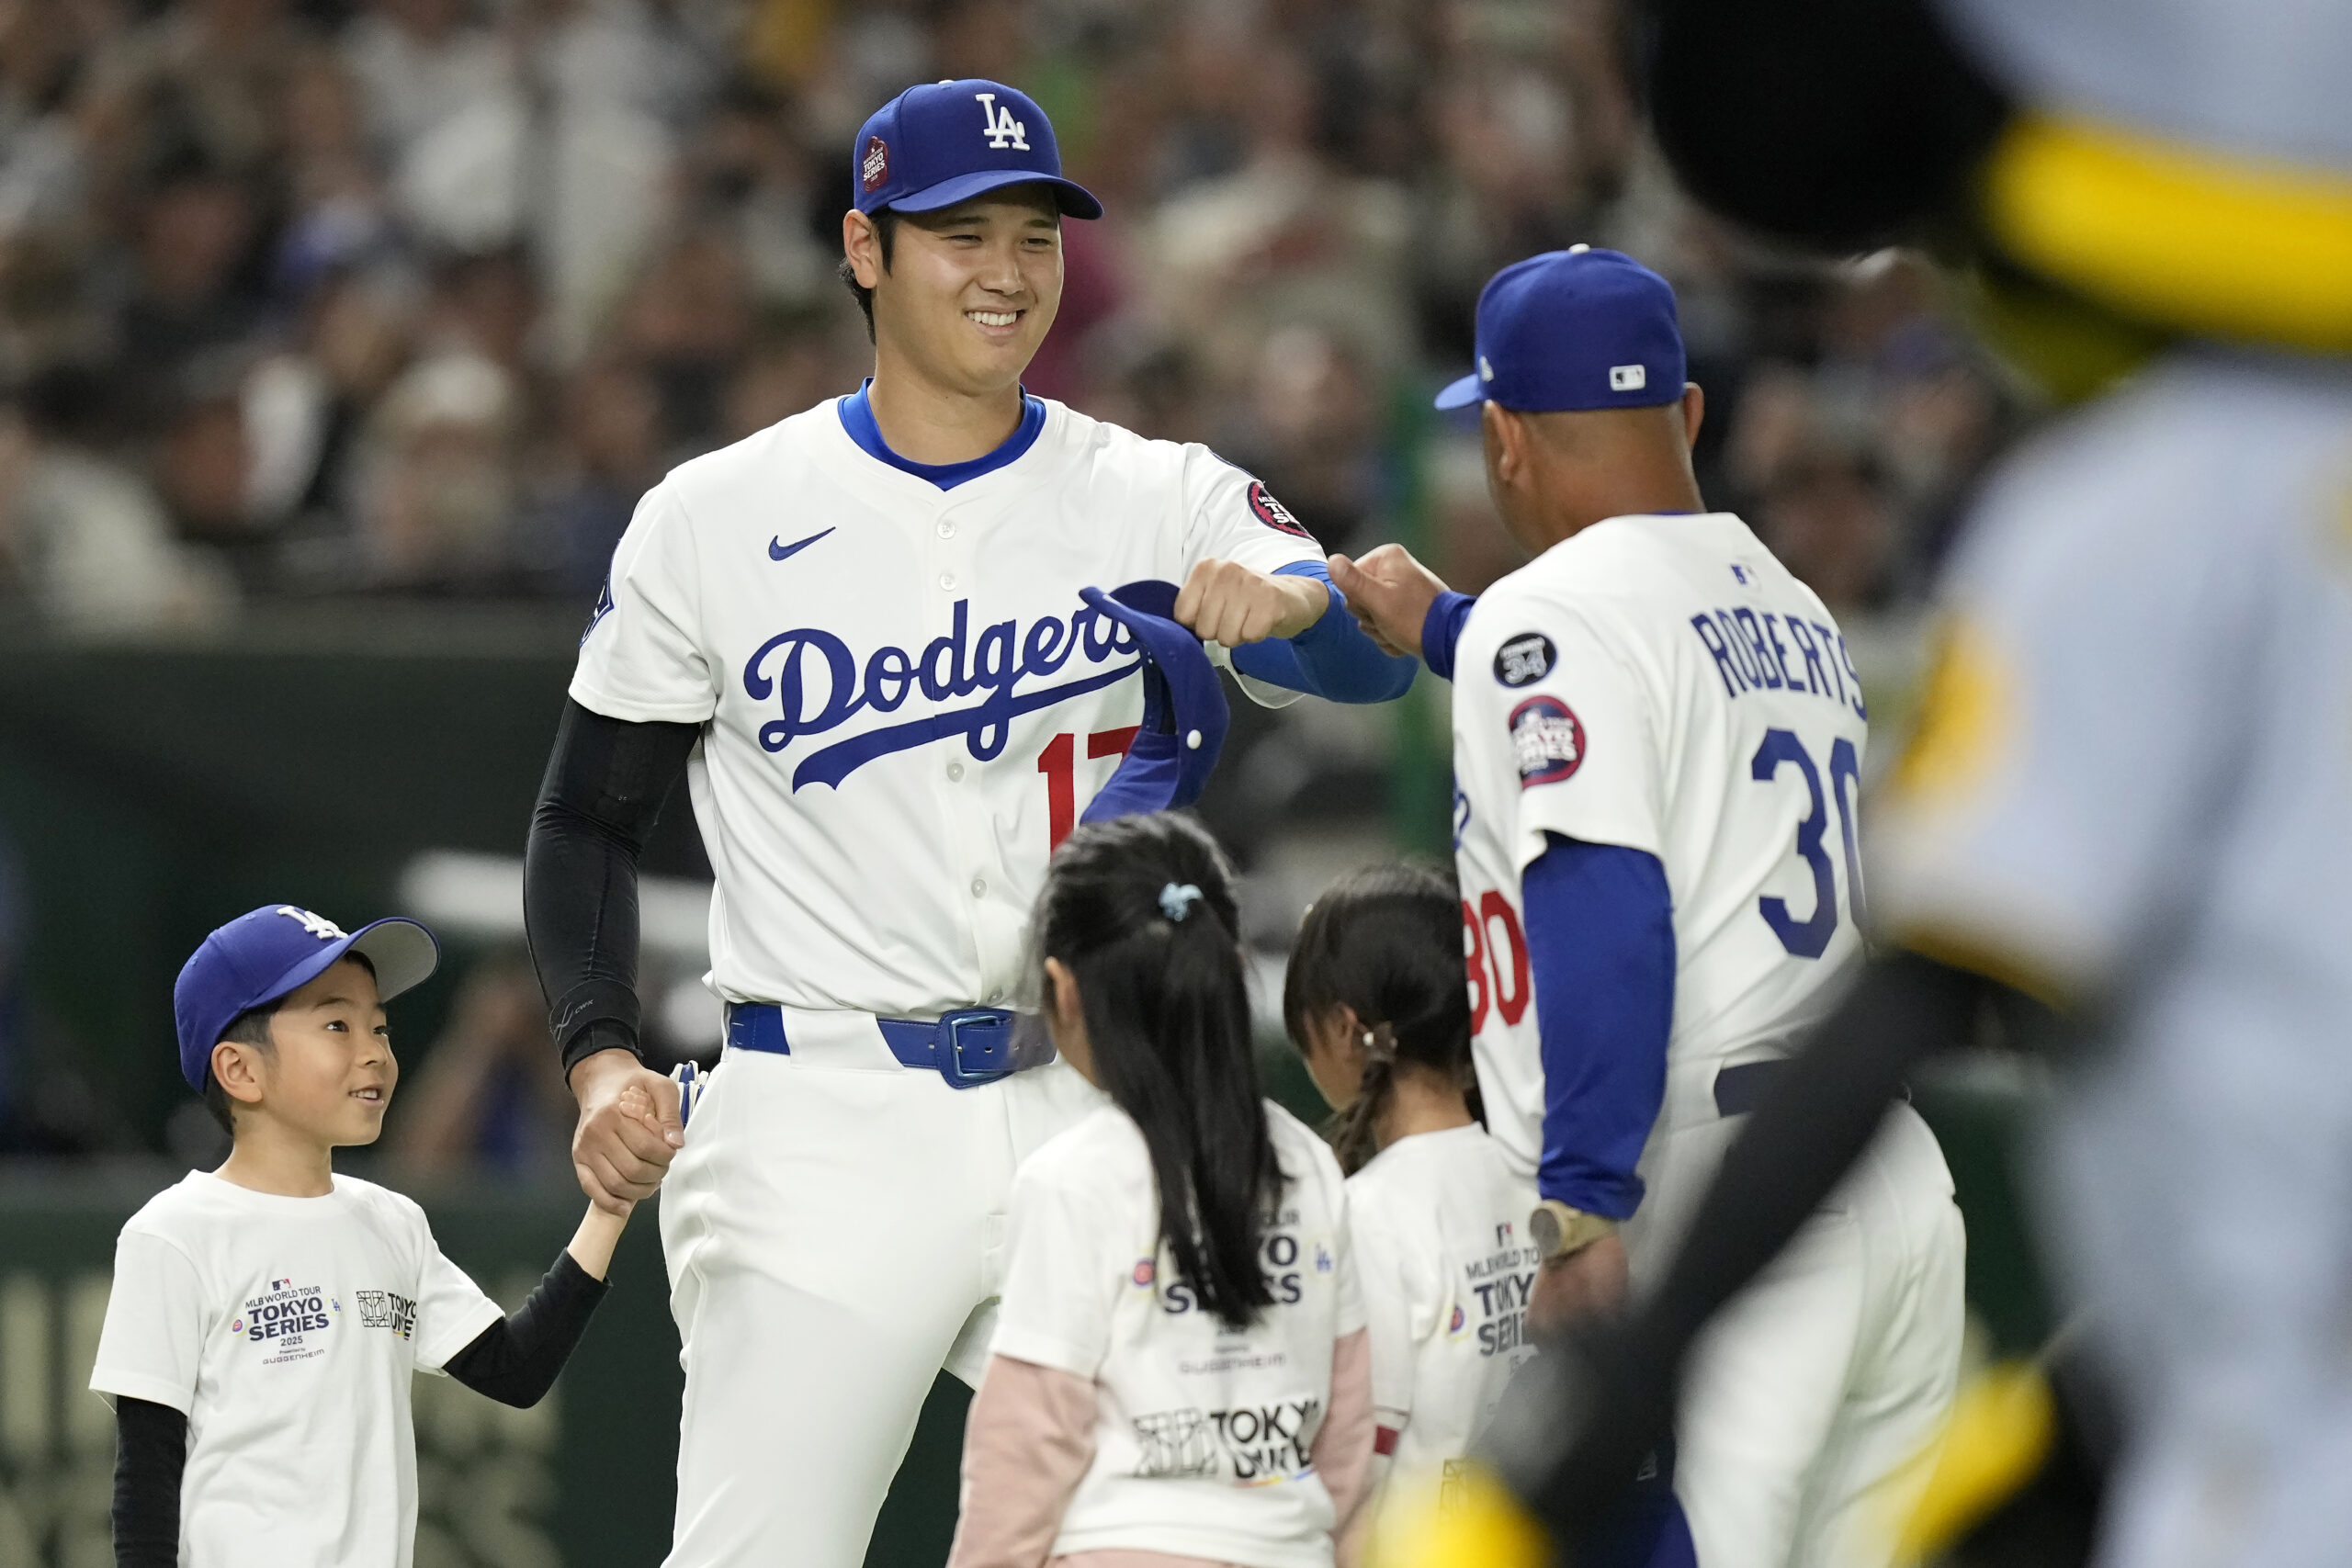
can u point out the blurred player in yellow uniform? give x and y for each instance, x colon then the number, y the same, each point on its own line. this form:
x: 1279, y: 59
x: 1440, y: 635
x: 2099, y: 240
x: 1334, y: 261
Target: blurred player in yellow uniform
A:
x: 2126, y: 820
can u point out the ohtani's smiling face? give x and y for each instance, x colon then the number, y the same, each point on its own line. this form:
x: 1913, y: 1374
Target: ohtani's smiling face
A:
x: 970, y: 291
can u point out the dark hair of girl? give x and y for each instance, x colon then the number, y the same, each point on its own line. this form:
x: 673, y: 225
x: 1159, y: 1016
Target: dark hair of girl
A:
x: 1386, y: 942
x: 1141, y: 910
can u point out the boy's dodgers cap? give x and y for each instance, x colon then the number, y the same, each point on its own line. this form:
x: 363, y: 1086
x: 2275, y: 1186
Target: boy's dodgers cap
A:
x: 265, y: 953
x: 1184, y: 716
x: 947, y: 141
x: 1574, y: 328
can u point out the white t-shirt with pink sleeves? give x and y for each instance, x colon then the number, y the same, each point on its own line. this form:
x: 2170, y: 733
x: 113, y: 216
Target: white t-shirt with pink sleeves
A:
x: 287, y: 1329
x: 1203, y: 1435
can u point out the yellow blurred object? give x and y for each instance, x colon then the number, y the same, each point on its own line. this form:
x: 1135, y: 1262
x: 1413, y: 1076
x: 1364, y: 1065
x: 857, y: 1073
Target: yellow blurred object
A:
x: 2177, y: 236
x: 2001, y: 1431
x: 1966, y: 717
x: 1478, y: 1524
x: 784, y: 41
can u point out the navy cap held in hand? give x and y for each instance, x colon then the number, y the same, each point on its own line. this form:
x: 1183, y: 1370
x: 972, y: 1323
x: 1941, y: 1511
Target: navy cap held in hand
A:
x: 264, y: 953
x: 1184, y: 716
x: 1574, y: 328
x: 935, y: 145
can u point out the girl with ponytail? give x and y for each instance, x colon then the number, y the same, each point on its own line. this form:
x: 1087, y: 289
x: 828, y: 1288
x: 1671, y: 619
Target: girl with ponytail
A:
x: 1180, y: 1372
x: 1378, y: 1001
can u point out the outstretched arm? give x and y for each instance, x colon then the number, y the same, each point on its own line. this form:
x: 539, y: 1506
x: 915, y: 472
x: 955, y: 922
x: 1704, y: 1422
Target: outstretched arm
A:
x: 515, y: 1359
x: 1291, y: 628
x: 1571, y: 1435
x: 1402, y: 606
x: 605, y: 786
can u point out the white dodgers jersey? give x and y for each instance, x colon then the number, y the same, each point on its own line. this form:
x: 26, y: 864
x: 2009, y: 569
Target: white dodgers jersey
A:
x: 906, y: 703
x: 1664, y: 685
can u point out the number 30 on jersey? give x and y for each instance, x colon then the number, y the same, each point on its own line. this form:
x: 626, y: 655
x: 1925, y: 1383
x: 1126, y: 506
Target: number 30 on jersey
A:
x: 1495, y: 945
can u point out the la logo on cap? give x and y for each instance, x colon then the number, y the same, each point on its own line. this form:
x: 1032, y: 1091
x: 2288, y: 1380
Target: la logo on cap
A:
x: 1628, y: 378
x: 998, y: 126
x: 317, y: 925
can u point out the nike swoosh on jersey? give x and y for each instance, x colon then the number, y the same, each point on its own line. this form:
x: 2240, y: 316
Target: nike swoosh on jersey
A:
x: 779, y: 550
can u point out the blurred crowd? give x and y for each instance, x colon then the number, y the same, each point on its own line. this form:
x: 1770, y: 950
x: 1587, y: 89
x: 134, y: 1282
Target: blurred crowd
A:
x: 310, y: 300
x: 305, y: 297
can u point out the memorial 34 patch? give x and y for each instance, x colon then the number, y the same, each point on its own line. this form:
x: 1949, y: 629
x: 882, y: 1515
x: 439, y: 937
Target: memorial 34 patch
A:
x: 1275, y: 515
x: 1524, y: 660
x: 1547, y: 739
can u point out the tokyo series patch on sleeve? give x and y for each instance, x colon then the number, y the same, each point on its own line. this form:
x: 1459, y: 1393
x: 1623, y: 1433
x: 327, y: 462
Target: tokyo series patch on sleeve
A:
x: 1273, y: 514
x: 1548, y: 740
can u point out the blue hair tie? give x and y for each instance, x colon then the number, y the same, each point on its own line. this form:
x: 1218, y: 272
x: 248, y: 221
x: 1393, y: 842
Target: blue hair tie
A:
x: 1176, y: 901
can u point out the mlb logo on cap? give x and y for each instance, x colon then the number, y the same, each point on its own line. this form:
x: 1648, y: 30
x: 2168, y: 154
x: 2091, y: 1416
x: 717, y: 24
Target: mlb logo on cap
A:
x: 1574, y: 328
x: 948, y: 141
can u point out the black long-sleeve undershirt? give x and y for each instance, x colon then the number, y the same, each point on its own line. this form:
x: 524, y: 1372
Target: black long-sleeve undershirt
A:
x: 605, y: 782
x: 1816, y: 1120
x: 151, y: 1452
x: 514, y: 1361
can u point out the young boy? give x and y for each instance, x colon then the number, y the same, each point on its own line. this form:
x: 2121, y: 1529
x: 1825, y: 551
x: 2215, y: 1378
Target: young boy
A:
x: 266, y: 1317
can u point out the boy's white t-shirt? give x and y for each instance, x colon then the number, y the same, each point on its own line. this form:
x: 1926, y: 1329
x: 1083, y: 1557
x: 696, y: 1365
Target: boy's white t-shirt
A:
x: 1438, y: 1222
x: 1202, y: 1433
x: 286, y: 1330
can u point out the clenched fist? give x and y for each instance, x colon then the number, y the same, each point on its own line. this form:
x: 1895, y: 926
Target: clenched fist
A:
x: 1224, y: 601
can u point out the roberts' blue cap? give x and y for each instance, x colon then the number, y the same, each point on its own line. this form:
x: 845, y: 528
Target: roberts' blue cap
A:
x: 1574, y: 328
x: 936, y: 146
x: 264, y: 953
x: 1184, y: 716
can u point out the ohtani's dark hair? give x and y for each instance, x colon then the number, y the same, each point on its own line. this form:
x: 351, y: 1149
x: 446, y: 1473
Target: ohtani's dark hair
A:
x: 886, y: 233
x: 1386, y: 942
x: 1141, y: 910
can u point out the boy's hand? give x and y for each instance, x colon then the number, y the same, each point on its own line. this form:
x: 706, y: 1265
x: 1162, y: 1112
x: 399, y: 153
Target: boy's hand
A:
x: 628, y: 1129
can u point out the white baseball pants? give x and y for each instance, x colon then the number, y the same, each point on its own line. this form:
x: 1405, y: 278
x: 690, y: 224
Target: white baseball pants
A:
x: 834, y: 1236
x: 1810, y: 1399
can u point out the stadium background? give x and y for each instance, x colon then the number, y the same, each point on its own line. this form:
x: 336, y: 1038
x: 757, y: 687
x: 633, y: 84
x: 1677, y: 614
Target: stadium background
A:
x: 339, y: 337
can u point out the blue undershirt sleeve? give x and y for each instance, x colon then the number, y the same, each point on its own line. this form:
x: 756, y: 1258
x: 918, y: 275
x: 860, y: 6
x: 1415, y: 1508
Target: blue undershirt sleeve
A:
x: 1600, y: 940
x: 1332, y: 659
x: 1442, y: 630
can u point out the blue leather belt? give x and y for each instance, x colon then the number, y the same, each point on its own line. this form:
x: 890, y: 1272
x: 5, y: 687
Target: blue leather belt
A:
x: 968, y: 1047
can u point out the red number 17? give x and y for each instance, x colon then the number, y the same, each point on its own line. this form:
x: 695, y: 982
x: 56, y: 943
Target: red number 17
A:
x: 1059, y: 762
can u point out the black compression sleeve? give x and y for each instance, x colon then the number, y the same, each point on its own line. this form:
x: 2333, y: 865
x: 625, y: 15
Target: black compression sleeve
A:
x: 515, y: 1359
x: 150, y: 1450
x: 605, y: 783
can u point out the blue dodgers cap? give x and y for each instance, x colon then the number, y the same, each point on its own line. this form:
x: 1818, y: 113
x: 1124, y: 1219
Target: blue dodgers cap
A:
x: 264, y: 953
x: 1574, y: 328
x: 1184, y: 716
x: 935, y: 145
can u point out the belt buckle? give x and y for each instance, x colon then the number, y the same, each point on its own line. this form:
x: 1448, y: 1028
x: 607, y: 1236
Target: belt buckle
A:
x: 990, y: 1059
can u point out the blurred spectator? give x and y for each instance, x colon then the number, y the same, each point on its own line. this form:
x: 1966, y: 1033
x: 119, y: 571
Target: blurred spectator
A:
x: 1827, y: 515
x: 82, y: 541
x: 612, y: 429
x: 419, y: 295
x: 789, y: 371
x: 193, y: 290
x: 488, y: 1095
x: 438, y: 487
